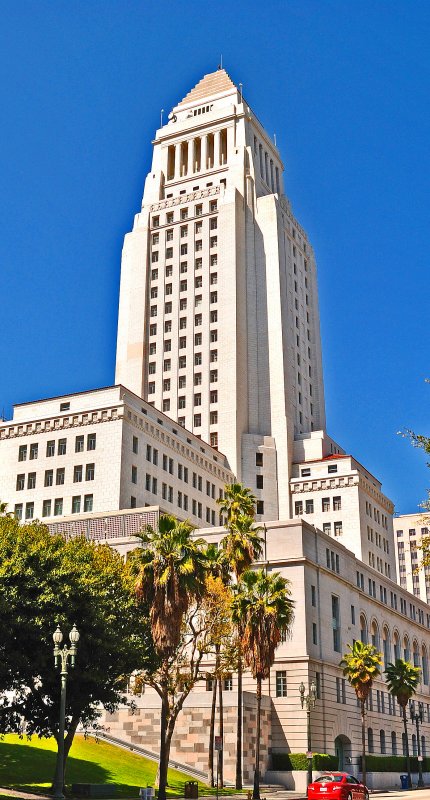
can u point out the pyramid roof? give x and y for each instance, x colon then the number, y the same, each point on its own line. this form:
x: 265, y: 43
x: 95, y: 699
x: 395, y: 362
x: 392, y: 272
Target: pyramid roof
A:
x: 212, y: 84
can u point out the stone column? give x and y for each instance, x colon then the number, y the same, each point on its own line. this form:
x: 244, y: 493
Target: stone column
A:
x: 177, y: 161
x: 217, y: 148
x: 190, y: 156
x: 204, y: 154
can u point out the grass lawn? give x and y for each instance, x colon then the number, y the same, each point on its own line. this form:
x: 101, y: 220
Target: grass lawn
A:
x: 29, y: 765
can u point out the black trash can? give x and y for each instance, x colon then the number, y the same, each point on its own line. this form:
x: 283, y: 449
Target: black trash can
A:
x: 404, y: 781
x: 191, y: 790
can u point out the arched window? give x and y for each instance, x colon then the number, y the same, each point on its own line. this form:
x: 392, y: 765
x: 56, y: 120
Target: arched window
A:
x: 393, y: 743
x: 423, y: 746
x: 416, y: 654
x: 374, y: 632
x: 363, y: 629
x: 414, y: 745
x: 397, y: 649
x: 386, y: 646
x: 370, y: 745
x: 382, y: 741
x: 425, y: 665
x: 406, y: 649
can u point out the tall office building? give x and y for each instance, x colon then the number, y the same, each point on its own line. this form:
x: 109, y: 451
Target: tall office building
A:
x: 218, y: 319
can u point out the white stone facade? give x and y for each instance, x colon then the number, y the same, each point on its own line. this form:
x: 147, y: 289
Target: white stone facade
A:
x: 103, y: 451
x: 218, y: 321
x: 337, y: 599
x: 409, y: 531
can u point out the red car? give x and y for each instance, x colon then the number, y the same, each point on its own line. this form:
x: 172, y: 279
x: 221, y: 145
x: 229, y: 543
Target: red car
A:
x: 337, y: 786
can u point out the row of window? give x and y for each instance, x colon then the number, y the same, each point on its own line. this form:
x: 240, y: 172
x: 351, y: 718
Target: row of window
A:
x: 60, y: 445
x: 325, y: 505
x: 55, y: 507
x: 184, y: 230
x: 379, y: 564
x: 184, y: 212
x: 380, y: 541
x: 198, y: 379
x: 60, y: 475
x: 182, y: 361
x: 183, y: 284
x: 198, y: 301
x: 394, y: 750
x: 413, y: 532
x: 305, y: 472
x: 213, y: 317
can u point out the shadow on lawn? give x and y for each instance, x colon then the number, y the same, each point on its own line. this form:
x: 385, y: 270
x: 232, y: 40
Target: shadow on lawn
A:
x: 24, y: 767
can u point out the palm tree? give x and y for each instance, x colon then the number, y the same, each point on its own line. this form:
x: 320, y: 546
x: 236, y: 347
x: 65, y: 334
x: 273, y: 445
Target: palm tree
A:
x: 238, y: 499
x: 361, y: 666
x: 264, y: 610
x: 171, y: 576
x: 402, y: 681
x: 242, y: 546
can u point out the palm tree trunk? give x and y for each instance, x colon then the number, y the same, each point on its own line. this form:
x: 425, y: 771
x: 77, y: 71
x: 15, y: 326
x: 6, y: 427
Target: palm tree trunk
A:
x: 408, y: 760
x: 363, y: 741
x: 212, y: 735
x: 221, y: 733
x: 164, y: 761
x: 239, y: 723
x: 256, y: 792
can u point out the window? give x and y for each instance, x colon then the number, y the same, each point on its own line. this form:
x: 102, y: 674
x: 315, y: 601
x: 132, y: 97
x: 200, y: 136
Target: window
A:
x: 305, y: 473
x: 29, y: 510
x: 327, y: 528
x: 166, y: 405
x: 76, y: 504
x: 337, y: 503
x: 34, y: 451
x: 58, y: 506
x: 91, y: 441
x: 46, y: 508
x: 259, y: 459
x: 259, y: 482
x: 89, y: 472
x: 332, y: 468
x: 22, y: 452
x: 338, y: 529
x: 325, y: 504
x: 49, y: 477
x: 152, y: 330
x: 309, y: 506
x: 313, y: 596
x: 197, y: 420
x: 62, y: 447
x: 135, y: 444
x: 20, y: 483
x: 314, y: 633
x: 260, y: 507
x: 228, y: 683
x: 77, y: 474
x: 281, y: 683
x: 31, y: 480
x: 335, y: 613
x: 88, y: 502
x: 50, y: 448
x: 59, y: 478
x: 134, y: 474
x: 298, y: 508
x: 79, y: 444
x: 214, y: 396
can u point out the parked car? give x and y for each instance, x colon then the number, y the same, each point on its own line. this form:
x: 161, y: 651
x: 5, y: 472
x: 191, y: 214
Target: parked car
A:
x: 337, y: 786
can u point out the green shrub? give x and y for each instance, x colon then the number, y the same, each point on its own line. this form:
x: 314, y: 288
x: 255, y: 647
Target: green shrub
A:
x: 286, y: 762
x: 393, y: 764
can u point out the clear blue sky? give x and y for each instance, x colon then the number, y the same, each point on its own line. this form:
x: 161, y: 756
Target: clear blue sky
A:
x: 345, y: 87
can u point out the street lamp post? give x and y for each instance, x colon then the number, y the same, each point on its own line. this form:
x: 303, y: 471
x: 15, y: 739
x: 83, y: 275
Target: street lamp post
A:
x: 309, y: 700
x: 417, y: 717
x: 61, y: 656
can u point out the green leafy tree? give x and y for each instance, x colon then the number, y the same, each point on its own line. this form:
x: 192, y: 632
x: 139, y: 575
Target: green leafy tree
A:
x: 402, y: 681
x: 44, y: 581
x: 264, y: 610
x: 171, y: 579
x: 361, y: 666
